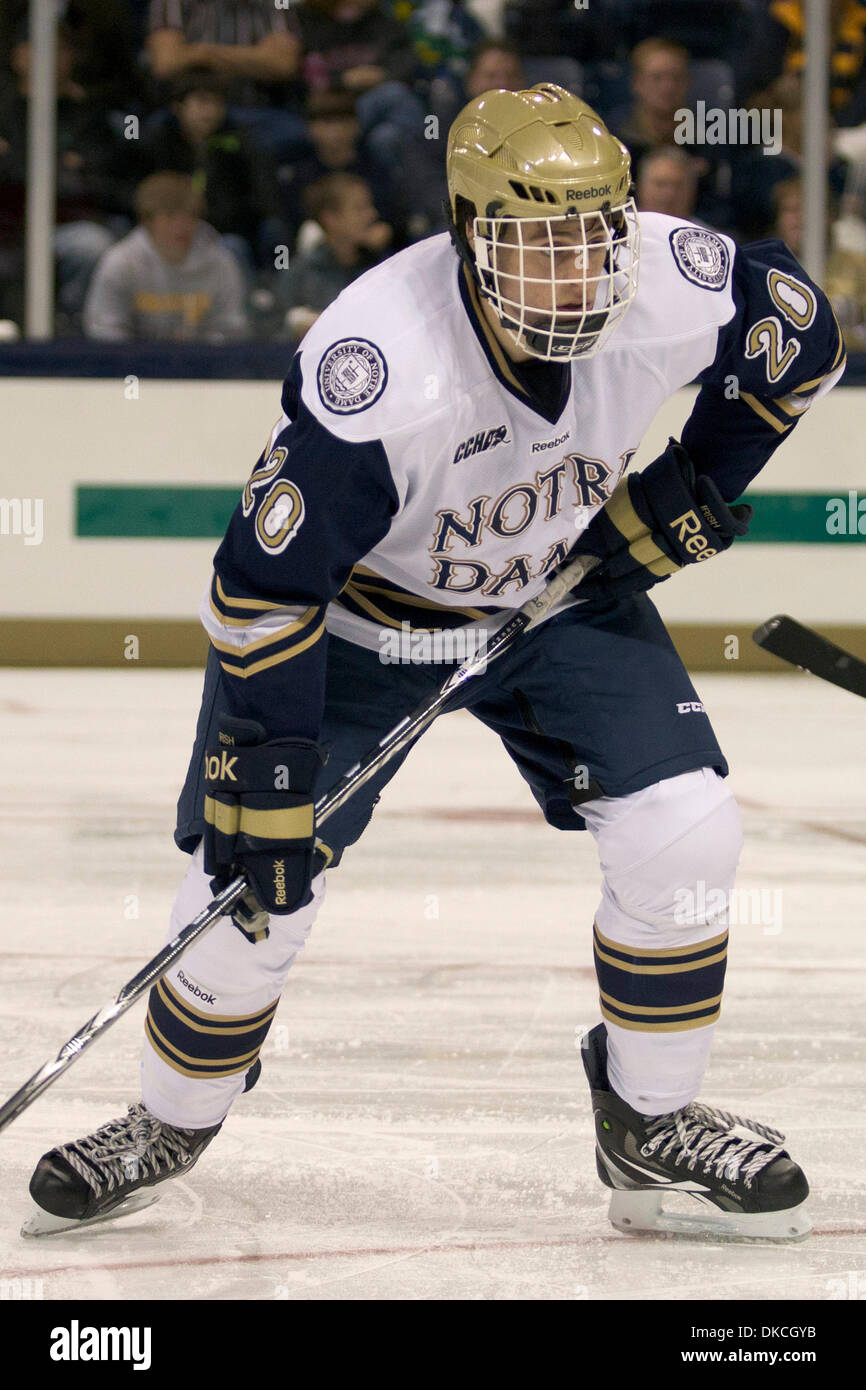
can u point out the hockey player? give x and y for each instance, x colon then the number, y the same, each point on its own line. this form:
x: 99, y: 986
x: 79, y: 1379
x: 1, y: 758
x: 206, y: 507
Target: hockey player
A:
x: 452, y: 428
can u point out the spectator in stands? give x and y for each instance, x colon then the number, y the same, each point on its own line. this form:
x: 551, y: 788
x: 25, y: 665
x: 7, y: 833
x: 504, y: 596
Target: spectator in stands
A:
x: 494, y: 65
x: 169, y: 279
x: 788, y: 208
x: 238, y: 180
x: 547, y: 27
x: 778, y: 47
x: 352, y: 46
x: 91, y: 202
x: 660, y: 81
x: 708, y: 29
x: 335, y: 134
x: 102, y: 35
x: 443, y: 34
x: 755, y: 176
x: 490, y: 15
x: 354, y: 239
x: 660, y: 78
x: 845, y: 286
x: 252, y: 45
x: 845, y: 272
x: 667, y: 181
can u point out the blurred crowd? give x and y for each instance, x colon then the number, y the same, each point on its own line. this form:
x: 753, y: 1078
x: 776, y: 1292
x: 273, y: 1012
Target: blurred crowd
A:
x: 226, y: 167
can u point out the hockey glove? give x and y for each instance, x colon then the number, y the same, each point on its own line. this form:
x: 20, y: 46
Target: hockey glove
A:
x: 654, y: 523
x: 258, y: 811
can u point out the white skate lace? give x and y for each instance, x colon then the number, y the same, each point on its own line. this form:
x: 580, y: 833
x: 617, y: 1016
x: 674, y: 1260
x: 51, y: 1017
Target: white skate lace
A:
x: 705, y: 1136
x: 125, y: 1150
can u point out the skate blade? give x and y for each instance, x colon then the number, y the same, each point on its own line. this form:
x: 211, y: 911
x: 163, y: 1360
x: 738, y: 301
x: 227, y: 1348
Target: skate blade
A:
x: 43, y: 1223
x: 644, y: 1212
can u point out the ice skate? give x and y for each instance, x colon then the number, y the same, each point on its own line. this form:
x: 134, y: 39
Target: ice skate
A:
x: 110, y: 1173
x: 745, y: 1183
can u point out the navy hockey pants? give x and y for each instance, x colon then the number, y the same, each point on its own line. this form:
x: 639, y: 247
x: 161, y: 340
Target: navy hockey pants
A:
x: 595, y: 702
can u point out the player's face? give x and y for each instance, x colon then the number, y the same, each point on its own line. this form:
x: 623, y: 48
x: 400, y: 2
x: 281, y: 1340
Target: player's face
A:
x: 556, y: 287
x: 552, y: 267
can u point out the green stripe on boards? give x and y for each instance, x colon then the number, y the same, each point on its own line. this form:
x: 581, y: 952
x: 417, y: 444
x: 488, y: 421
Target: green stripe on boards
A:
x: 202, y: 513
x: 149, y: 513
x: 807, y: 518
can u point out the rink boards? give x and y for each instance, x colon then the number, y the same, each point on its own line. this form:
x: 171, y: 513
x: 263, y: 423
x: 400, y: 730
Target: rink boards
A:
x: 113, y: 494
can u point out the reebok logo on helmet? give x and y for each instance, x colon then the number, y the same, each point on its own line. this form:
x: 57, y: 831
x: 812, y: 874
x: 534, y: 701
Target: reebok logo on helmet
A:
x: 574, y: 194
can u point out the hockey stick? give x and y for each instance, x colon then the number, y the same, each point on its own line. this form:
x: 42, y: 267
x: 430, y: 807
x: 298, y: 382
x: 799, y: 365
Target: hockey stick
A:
x: 803, y: 647
x: 533, y: 612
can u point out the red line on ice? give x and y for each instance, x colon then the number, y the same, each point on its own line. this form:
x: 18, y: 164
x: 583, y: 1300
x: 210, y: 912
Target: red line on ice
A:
x: 516, y: 816
x: 364, y: 1252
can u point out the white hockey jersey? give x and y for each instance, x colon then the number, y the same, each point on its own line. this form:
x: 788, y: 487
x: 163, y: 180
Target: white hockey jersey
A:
x: 417, y: 475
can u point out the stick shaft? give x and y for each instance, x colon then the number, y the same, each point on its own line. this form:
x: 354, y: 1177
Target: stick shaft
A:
x: 528, y: 616
x: 131, y: 992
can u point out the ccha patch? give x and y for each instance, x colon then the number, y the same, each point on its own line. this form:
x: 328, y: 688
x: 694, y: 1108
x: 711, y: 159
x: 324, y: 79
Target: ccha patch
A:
x: 701, y: 256
x: 352, y: 375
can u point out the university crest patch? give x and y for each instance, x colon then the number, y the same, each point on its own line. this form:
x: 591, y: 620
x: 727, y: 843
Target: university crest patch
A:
x: 352, y: 375
x: 701, y: 256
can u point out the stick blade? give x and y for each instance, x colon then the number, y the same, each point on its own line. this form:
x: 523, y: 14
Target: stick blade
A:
x: 792, y: 642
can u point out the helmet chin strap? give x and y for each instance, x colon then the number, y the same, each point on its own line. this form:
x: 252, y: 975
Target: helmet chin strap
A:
x: 542, y: 343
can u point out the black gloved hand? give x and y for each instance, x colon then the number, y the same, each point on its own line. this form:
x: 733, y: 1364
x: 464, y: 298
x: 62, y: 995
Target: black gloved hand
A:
x: 654, y: 523
x: 259, y: 813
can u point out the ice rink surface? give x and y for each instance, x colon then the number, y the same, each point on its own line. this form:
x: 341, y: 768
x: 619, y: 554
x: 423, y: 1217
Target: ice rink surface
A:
x: 422, y: 1128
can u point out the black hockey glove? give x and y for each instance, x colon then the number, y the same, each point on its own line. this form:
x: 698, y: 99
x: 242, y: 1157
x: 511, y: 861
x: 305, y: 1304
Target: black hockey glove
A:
x: 258, y: 811
x: 654, y: 523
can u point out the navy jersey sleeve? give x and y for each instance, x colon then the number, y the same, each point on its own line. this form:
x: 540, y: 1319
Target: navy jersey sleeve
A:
x: 313, y: 506
x: 780, y: 351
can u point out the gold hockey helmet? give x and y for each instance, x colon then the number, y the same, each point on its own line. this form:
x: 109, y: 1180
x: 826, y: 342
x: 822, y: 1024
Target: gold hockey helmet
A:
x: 540, y: 211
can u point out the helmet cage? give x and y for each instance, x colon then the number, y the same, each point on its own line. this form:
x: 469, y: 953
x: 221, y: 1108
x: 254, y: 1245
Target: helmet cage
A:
x: 560, y: 285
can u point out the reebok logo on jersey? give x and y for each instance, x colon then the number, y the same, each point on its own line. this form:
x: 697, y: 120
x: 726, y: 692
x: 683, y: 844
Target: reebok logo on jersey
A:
x: 541, y: 444
x: 194, y: 989
x: 482, y: 441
